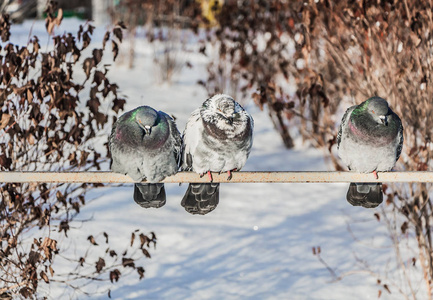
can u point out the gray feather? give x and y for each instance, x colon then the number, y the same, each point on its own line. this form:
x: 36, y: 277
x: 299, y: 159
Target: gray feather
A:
x: 149, y: 194
x: 145, y: 144
x: 370, y: 138
x: 201, y: 198
x: 217, y: 138
x: 368, y: 195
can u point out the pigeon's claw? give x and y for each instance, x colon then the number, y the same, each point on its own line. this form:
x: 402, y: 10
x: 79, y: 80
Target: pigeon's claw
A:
x: 375, y: 174
x: 209, y: 174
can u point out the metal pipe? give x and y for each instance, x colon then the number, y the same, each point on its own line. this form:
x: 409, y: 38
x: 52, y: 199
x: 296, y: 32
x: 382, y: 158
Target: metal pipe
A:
x: 251, y: 177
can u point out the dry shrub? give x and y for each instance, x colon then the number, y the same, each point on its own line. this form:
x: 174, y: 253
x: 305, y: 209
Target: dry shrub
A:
x: 335, y: 54
x: 162, y: 22
x: 46, y: 125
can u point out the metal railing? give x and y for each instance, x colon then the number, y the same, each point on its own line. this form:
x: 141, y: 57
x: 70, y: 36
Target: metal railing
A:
x: 238, y: 177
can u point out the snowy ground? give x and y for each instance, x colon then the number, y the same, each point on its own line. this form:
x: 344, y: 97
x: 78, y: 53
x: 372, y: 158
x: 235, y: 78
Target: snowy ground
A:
x: 258, y: 243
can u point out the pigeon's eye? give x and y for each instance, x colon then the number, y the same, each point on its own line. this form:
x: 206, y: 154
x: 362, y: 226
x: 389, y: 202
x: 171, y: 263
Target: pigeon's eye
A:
x: 372, y: 111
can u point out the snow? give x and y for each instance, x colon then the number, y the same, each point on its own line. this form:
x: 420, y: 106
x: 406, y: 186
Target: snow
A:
x: 258, y: 242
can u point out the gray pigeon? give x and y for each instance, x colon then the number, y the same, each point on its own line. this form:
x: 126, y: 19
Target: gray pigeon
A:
x: 370, y: 139
x: 145, y: 144
x: 217, y: 138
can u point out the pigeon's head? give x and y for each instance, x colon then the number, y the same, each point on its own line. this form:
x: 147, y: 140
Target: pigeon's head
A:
x: 146, y: 117
x: 224, y: 106
x: 379, y: 110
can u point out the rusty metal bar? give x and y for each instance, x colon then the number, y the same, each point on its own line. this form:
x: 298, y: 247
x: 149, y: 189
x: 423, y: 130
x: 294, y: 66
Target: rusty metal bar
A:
x: 252, y: 177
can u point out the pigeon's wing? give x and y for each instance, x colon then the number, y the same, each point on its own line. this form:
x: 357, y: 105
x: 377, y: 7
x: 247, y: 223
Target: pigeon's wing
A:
x: 343, y: 124
x: 176, y: 137
x: 401, y: 139
x: 111, y: 140
x: 191, y: 139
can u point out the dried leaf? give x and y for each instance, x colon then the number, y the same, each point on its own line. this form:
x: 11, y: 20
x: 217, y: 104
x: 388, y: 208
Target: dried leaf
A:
x: 140, y: 271
x: 4, y: 120
x: 100, y: 264
x: 44, y: 276
x: 114, y: 49
x: 128, y: 262
x: 105, y: 40
x: 377, y: 216
x: 145, y: 252
x: 114, y: 275
x: 118, y: 33
x: 132, y: 239
x: 106, y: 237
x: 92, y: 240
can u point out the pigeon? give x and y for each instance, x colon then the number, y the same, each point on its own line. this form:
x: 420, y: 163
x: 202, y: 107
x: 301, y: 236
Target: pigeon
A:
x: 370, y: 139
x: 217, y: 138
x: 145, y: 144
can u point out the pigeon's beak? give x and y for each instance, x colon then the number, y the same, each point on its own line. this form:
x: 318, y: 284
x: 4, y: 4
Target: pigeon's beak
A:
x: 384, y: 120
x: 148, y: 129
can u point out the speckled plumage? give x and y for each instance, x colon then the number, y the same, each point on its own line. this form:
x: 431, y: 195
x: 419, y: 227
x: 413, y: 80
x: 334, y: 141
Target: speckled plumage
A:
x: 217, y: 138
x: 145, y: 144
x: 370, y: 138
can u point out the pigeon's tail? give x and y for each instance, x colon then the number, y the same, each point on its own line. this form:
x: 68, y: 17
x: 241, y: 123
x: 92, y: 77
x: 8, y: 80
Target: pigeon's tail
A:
x: 367, y: 195
x: 149, y: 194
x: 201, y: 198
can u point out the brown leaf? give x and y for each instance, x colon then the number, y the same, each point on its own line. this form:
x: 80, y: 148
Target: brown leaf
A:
x: 145, y: 252
x: 25, y: 292
x: 44, y: 276
x: 132, y: 238
x: 114, y: 275
x: 92, y: 240
x: 88, y: 64
x: 377, y: 216
x: 118, y: 104
x: 144, y: 240
x: 106, y: 38
x: 140, y: 271
x: 114, y: 49
x: 99, y: 77
x: 118, y: 33
x: 4, y: 120
x: 100, y: 264
x: 128, y: 262
x: 97, y: 55
x: 404, y: 227
x: 81, y: 261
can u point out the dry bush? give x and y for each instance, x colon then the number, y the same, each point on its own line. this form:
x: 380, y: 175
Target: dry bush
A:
x: 163, y: 22
x: 46, y: 125
x: 335, y: 54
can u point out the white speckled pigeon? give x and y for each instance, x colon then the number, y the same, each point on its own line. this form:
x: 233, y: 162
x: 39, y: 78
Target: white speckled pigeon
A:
x: 145, y: 144
x: 370, y: 139
x: 217, y: 138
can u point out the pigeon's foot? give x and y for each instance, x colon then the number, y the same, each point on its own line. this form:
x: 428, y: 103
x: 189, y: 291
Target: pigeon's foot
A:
x: 230, y: 173
x: 375, y: 174
x: 209, y: 175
